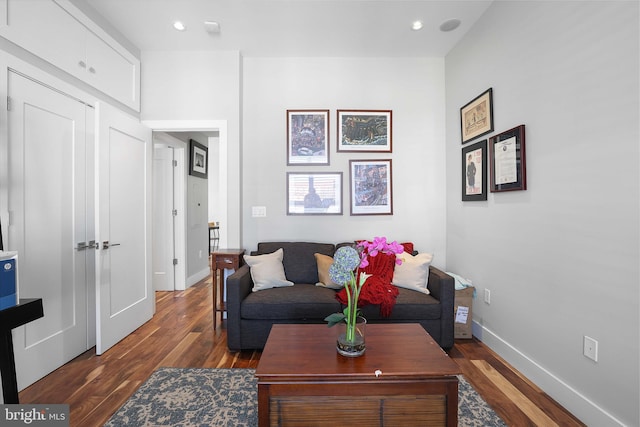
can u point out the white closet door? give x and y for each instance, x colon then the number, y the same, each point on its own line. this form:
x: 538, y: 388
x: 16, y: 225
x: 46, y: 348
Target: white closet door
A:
x: 47, y: 196
x: 123, y: 181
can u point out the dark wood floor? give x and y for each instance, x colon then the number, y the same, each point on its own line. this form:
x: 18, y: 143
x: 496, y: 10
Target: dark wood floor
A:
x: 181, y: 335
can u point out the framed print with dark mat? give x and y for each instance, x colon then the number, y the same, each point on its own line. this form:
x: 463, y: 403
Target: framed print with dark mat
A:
x: 508, y: 168
x: 474, y: 172
x: 198, y: 159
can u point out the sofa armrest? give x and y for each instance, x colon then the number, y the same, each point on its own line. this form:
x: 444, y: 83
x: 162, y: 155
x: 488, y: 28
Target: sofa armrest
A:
x: 239, y: 285
x: 442, y: 287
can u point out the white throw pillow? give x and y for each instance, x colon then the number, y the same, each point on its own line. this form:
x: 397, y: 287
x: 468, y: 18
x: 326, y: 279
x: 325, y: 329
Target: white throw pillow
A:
x: 267, y: 270
x: 413, y: 273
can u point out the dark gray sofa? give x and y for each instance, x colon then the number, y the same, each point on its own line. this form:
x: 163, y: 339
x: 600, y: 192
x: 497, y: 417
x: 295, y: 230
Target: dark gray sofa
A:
x: 250, y: 315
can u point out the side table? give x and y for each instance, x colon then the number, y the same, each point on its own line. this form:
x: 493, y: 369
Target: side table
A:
x: 26, y: 311
x: 220, y: 260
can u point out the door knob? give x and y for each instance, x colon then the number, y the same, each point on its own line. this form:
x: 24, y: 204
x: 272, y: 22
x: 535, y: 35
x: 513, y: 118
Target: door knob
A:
x: 107, y: 245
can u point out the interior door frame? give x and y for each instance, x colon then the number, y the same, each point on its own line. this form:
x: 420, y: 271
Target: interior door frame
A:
x: 220, y: 126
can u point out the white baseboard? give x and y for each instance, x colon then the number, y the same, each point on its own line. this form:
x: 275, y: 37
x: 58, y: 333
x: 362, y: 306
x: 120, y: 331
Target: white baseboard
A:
x: 580, y: 406
x: 195, y: 278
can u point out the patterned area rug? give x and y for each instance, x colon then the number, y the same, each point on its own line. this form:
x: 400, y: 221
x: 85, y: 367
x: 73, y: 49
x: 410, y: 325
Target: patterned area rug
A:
x: 228, y: 397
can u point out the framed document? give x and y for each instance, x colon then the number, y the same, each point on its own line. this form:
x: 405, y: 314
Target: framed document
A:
x: 508, y: 161
x: 474, y: 172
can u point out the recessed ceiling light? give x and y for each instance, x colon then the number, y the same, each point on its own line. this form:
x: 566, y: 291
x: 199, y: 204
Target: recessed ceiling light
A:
x: 178, y: 25
x: 450, y: 25
x: 416, y: 25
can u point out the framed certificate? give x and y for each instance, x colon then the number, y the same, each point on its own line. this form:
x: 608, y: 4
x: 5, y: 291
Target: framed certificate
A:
x: 507, y: 160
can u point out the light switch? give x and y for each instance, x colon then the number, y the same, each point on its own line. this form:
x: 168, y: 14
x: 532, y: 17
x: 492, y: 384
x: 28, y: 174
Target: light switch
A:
x: 258, y: 211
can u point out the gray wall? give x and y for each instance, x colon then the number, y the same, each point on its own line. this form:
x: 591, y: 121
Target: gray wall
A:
x: 412, y: 88
x: 560, y: 259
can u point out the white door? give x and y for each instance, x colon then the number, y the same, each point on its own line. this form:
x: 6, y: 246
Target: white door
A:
x: 47, y: 197
x: 164, y: 213
x: 125, y: 297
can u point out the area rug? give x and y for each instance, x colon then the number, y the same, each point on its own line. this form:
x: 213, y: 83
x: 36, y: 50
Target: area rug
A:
x: 228, y: 397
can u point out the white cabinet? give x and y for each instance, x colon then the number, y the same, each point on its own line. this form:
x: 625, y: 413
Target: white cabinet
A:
x: 58, y: 33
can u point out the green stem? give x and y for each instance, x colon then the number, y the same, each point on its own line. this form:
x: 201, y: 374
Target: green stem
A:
x: 348, y: 317
x: 352, y: 307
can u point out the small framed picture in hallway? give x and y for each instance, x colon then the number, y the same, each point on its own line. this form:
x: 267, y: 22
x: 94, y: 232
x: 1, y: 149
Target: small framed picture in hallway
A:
x: 197, y: 159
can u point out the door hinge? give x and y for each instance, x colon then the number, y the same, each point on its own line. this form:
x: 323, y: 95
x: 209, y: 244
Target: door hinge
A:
x: 8, y: 103
x: 174, y: 212
x: 175, y: 261
x: 175, y: 163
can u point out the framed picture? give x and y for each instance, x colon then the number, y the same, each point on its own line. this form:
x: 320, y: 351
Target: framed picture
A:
x: 476, y: 118
x: 364, y: 131
x: 508, y: 162
x: 371, y: 189
x: 474, y: 172
x: 307, y: 137
x: 317, y: 193
x: 198, y: 159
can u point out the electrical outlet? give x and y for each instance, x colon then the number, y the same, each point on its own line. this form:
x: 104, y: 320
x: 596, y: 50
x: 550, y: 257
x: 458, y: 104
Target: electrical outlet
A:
x: 487, y: 296
x: 590, y: 348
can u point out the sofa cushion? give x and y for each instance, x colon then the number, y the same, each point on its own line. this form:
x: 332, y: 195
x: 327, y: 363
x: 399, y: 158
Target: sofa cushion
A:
x: 413, y: 273
x: 324, y: 280
x: 299, y: 302
x: 410, y: 305
x: 267, y: 271
x: 299, y: 261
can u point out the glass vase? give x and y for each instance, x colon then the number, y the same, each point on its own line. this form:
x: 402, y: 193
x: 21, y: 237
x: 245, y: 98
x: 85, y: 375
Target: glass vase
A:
x: 350, y: 341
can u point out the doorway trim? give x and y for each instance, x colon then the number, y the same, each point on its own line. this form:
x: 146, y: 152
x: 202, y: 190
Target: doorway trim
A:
x: 205, y: 126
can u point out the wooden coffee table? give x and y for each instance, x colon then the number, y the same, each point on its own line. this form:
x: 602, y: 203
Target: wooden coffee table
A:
x: 303, y: 381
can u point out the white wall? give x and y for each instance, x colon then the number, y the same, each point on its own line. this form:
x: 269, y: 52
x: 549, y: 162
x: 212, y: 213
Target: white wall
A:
x: 412, y: 88
x: 561, y: 258
x: 169, y: 94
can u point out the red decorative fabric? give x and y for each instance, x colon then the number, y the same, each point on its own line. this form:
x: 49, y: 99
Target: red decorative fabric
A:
x: 378, y: 288
x: 408, y: 247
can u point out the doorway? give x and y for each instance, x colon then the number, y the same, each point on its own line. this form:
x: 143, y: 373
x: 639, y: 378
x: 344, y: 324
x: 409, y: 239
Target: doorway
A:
x: 190, y: 242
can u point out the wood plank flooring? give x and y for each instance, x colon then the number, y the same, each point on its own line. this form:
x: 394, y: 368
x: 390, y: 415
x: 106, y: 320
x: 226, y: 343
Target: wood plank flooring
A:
x: 180, y: 335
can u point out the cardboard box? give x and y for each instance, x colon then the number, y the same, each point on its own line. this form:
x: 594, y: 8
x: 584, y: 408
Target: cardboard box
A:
x: 462, y: 313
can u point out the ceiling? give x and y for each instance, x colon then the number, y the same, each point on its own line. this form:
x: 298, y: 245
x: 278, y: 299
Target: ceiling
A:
x: 294, y: 28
